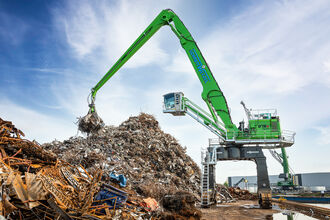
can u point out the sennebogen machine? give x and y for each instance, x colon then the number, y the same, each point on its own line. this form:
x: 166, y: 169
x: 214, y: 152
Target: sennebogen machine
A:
x: 233, y: 143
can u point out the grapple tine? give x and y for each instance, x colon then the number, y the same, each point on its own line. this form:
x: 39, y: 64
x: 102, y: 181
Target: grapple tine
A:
x: 91, y: 123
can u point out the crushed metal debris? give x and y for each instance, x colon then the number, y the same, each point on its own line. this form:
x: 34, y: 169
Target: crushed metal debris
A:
x: 74, y: 179
x: 242, y: 194
x: 153, y: 162
x: 182, y: 204
x: 226, y: 194
x: 91, y: 123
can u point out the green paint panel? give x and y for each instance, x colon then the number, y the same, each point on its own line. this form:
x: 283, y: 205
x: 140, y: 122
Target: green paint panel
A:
x: 211, y: 92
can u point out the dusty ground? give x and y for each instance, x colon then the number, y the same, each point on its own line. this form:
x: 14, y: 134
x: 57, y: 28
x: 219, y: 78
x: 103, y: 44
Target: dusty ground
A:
x: 244, y: 209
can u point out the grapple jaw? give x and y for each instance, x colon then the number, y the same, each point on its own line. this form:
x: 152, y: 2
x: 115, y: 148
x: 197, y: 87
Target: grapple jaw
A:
x: 91, y: 123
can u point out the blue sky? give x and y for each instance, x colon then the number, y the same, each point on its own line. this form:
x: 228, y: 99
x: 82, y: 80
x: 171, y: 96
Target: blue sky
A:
x: 271, y: 54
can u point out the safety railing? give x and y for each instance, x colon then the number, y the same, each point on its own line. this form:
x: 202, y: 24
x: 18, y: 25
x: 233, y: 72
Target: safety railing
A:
x: 285, y: 135
x: 209, y: 155
x: 263, y: 113
x: 215, y: 141
x: 273, y: 139
x: 288, y: 136
x: 203, y: 112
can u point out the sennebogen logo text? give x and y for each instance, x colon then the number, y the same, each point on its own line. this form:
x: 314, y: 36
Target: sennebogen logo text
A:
x: 200, y: 66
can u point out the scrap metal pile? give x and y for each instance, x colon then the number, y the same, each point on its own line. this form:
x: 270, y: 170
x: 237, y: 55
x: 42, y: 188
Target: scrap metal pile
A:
x: 223, y: 195
x: 231, y: 194
x: 242, y: 194
x: 154, y: 162
x: 36, y: 184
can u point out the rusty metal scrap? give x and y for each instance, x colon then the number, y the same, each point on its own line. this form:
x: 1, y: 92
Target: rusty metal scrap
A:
x: 37, y: 185
x: 242, y: 194
x: 182, y: 204
x: 7, y: 129
x: 58, y: 194
x: 45, y: 195
x: 11, y: 138
x: 68, y: 176
x: 70, y: 179
x: 223, y: 194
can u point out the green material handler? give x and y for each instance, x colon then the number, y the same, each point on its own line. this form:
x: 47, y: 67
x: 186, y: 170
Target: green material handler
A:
x: 263, y: 130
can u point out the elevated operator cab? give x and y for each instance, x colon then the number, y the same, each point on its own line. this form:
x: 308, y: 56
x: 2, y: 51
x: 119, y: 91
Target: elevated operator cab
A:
x: 173, y: 103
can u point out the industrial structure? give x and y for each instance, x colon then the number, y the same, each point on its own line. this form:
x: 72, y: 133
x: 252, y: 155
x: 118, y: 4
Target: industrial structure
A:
x: 314, y: 182
x: 288, y: 180
x: 233, y: 143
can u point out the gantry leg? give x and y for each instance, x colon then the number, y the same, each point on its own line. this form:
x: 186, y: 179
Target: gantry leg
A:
x: 264, y: 191
x: 254, y: 154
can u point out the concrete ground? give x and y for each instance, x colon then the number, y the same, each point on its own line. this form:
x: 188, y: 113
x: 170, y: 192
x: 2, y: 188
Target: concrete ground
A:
x: 243, y: 209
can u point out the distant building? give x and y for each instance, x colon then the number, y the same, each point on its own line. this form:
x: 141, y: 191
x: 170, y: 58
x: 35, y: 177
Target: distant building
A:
x: 315, y: 182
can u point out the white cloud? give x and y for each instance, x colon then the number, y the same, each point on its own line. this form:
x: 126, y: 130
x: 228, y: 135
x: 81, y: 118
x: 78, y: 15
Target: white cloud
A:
x: 83, y: 31
x: 101, y: 32
x: 273, y: 55
x: 326, y: 65
x: 324, y: 135
x: 277, y: 47
x: 326, y: 76
x: 35, y: 125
